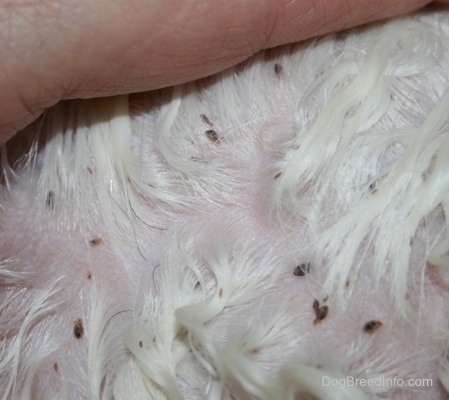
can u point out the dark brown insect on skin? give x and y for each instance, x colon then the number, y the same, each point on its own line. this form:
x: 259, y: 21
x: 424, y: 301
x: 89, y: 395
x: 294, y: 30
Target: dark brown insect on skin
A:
x: 197, y: 286
x: 372, y: 326
x: 78, y: 329
x: 206, y: 120
x: 320, y: 312
x: 301, y: 269
x: 278, y: 69
x: 89, y: 169
x: 95, y: 242
x: 50, y: 202
x: 56, y: 367
x: 140, y: 344
x: 212, y: 135
x: 348, y: 282
x: 89, y: 275
x: 278, y: 175
x: 220, y: 293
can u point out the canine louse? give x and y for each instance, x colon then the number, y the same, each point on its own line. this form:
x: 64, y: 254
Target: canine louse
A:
x: 50, y: 202
x: 320, y: 311
x: 372, y: 326
x: 278, y: 69
x: 212, y: 135
x: 78, y: 329
x: 95, y: 242
x: 206, y: 120
x: 301, y: 269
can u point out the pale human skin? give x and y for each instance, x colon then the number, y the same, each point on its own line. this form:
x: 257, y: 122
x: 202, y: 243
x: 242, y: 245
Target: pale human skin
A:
x: 53, y: 50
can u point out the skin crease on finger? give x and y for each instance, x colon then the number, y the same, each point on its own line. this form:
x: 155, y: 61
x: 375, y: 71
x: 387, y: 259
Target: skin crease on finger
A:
x: 53, y: 50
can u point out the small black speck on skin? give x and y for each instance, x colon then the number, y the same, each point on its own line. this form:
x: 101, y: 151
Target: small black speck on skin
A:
x: 197, y: 286
x: 89, y: 169
x: 50, y: 202
x: 56, y: 367
x: 372, y: 326
x: 278, y: 69
x: 78, y: 329
x: 301, y: 269
x: 316, y: 305
x: 277, y: 175
x: 206, y: 120
x: 212, y: 135
x: 140, y: 344
x: 89, y: 275
x: 220, y: 293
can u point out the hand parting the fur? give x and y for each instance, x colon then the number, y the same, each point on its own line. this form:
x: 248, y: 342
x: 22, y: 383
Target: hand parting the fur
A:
x: 51, y: 50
